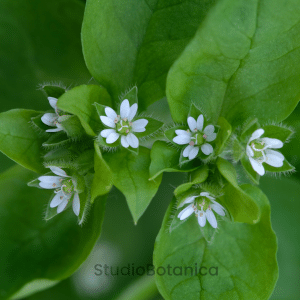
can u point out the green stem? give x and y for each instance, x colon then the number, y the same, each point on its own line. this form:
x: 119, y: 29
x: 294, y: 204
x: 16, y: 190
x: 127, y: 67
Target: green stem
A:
x: 143, y: 288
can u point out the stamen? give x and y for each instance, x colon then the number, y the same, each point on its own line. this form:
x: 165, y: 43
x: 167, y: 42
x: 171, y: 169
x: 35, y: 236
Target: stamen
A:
x: 204, y: 136
x: 192, y: 143
x: 54, y: 185
x: 201, y: 214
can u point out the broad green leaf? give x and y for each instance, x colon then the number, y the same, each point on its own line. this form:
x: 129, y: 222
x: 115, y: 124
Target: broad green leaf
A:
x: 37, y: 249
x: 136, y: 42
x: 79, y: 101
x: 242, y: 63
x: 102, y: 182
x: 131, y: 177
x: 37, y: 51
x: 165, y: 158
x: 195, y: 177
x: 228, y: 267
x: 19, y: 140
x: 54, y: 91
x: 223, y: 135
x: 249, y: 169
x: 277, y: 132
x: 72, y: 126
x: 242, y: 206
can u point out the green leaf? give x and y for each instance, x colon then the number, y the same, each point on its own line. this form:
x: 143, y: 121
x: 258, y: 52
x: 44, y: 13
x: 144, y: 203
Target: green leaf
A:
x: 19, y: 140
x: 287, y: 167
x: 131, y: 177
x: 241, y: 205
x: 38, y: 249
x: 277, y: 132
x: 196, y: 177
x: 79, y: 101
x: 230, y: 267
x: 72, y: 126
x: 241, y: 63
x: 165, y: 158
x: 103, y: 178
x: 249, y: 170
x: 54, y: 91
x: 248, y: 128
x: 135, y: 42
x: 36, y: 51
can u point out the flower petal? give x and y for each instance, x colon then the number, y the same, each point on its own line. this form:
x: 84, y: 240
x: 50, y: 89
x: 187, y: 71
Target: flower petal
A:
x: 200, y: 121
x: 211, y: 218
x: 112, y: 137
x: 193, y: 153
x: 187, y: 201
x: 50, y: 182
x: 249, y: 151
x: 108, y: 121
x: 57, y: 199
x: 52, y: 102
x: 192, y: 123
x: 132, y: 140
x: 124, y: 142
x: 201, y: 218
x: 208, y: 130
x: 274, y: 158
x: 272, y: 143
x: 106, y: 132
x: 207, y: 149
x: 187, y: 151
x: 110, y: 113
x: 133, y: 110
x: 182, y: 139
x: 124, y: 109
x: 218, y: 209
x: 256, y: 134
x: 139, y: 125
x: 258, y: 167
x: 76, y: 204
x: 211, y: 137
x: 63, y: 205
x: 49, y: 119
x: 54, y: 130
x: 58, y: 171
x: 207, y: 195
x: 183, y: 132
x: 186, y: 212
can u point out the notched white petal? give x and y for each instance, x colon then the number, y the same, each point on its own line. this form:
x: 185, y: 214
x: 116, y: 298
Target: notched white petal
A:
x: 63, y: 205
x: 106, y: 132
x: 192, y: 123
x: 187, y: 200
x: 124, y: 142
x: 57, y: 199
x: 49, y: 119
x: 132, y: 140
x: 107, y: 121
x: 139, y: 125
x: 249, y: 151
x: 257, y: 166
x: 256, y: 134
x: 211, y: 137
x: 182, y: 139
x: 112, y: 137
x: 124, y: 109
x: 183, y: 132
x: 193, y: 153
x: 207, y: 149
x: 110, y: 113
x: 272, y: 143
x: 53, y: 102
x: 187, y: 151
x: 186, y: 212
x: 76, y: 204
x: 200, y: 121
x: 58, y: 171
x: 211, y: 218
x: 201, y: 219
x: 133, y: 111
x: 274, y: 158
x: 208, y: 130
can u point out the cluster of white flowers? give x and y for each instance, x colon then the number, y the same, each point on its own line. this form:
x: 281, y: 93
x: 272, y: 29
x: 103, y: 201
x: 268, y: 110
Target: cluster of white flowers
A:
x: 259, y: 151
x: 51, y: 119
x: 123, y: 125
x: 202, y: 206
x: 64, y: 187
x: 196, y: 138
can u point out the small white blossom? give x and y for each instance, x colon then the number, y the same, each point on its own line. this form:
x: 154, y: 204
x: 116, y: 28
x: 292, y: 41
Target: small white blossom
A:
x: 202, y: 207
x: 123, y: 125
x: 51, y: 119
x: 196, y: 138
x: 259, y: 151
x: 64, y: 189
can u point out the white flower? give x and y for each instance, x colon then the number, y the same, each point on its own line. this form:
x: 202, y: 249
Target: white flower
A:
x: 122, y: 125
x: 64, y: 190
x: 51, y: 119
x: 202, y: 206
x: 196, y: 137
x: 259, y: 152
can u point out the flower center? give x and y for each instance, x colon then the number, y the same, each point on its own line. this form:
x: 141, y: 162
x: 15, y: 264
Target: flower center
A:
x: 202, y: 202
x: 67, y: 186
x: 257, y: 147
x: 123, y: 126
x: 198, y: 138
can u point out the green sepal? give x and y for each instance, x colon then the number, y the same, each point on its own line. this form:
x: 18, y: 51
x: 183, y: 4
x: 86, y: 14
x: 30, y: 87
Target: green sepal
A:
x: 238, y: 151
x: 196, y: 177
x: 222, y: 136
x: 72, y: 126
x: 242, y: 206
x: 249, y: 169
x: 277, y: 132
x: 39, y: 125
x: 165, y: 158
x: 131, y: 96
x: 58, y: 139
x: 53, y: 90
x: 152, y: 127
x: 195, y: 112
x: 249, y: 127
x: 84, y: 163
x: 59, y: 155
x: 103, y: 178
